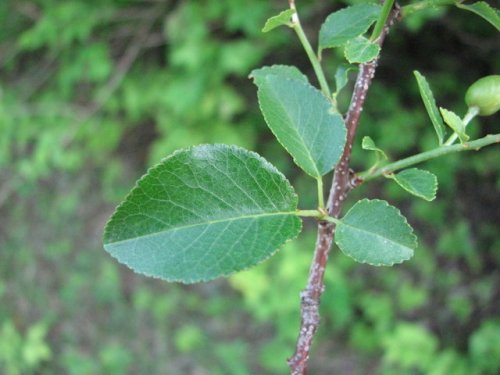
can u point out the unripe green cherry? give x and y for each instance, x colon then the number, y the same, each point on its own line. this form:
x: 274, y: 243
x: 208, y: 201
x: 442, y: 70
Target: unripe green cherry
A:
x: 484, y: 94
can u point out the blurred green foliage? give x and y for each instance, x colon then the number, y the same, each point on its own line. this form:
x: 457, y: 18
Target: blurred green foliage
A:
x: 93, y: 92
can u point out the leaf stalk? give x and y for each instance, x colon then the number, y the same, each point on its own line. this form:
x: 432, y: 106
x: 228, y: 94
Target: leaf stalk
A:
x: 384, y: 14
x: 321, y: 197
x: 318, y: 70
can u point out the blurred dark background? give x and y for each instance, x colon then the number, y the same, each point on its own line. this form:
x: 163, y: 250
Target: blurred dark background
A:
x: 93, y: 92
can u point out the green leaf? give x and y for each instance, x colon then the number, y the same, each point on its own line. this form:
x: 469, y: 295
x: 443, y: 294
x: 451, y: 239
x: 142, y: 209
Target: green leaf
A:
x: 302, y: 120
x: 341, y: 76
x: 485, y: 11
x: 201, y: 213
x: 376, y: 233
x: 284, y: 71
x: 430, y: 106
x: 368, y: 144
x: 281, y: 19
x: 346, y: 24
x: 360, y: 50
x: 454, y: 122
x: 418, y: 182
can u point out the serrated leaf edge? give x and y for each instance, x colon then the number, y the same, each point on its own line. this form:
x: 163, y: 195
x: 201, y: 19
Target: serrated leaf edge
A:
x: 322, y: 47
x: 468, y: 7
x: 251, y: 75
x: 201, y: 280
x: 430, y: 106
x: 434, y: 190
x: 359, y: 62
x: 308, y: 151
x: 159, y: 164
x: 398, y: 212
x: 461, y: 133
x: 268, y: 28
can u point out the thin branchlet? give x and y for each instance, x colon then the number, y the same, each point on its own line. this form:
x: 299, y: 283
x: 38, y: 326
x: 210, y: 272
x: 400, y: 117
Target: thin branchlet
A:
x: 342, y: 183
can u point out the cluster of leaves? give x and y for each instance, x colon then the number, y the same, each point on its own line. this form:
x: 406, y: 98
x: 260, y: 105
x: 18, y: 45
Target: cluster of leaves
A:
x: 212, y: 210
x: 189, y: 217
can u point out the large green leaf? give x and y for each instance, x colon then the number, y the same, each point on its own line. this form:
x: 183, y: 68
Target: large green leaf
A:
x: 430, y: 105
x: 202, y: 213
x: 483, y: 10
x: 418, y: 182
x: 303, y: 121
x: 376, y: 233
x: 360, y: 50
x: 346, y: 24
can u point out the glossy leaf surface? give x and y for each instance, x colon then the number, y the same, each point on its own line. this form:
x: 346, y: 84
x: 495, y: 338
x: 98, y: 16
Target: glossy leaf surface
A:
x: 418, y: 182
x: 360, y: 50
x: 303, y: 121
x: 376, y: 233
x: 430, y: 106
x: 346, y: 24
x: 201, y: 213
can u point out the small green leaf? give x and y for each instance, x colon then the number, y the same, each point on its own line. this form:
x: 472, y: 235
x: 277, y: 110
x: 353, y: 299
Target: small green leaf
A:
x: 341, y: 76
x: 201, y: 213
x: 281, y: 19
x: 418, y: 182
x: 376, y: 233
x: 368, y: 144
x: 430, y: 106
x: 284, y: 71
x: 360, y: 50
x: 346, y: 24
x: 456, y: 123
x: 483, y: 10
x: 302, y: 120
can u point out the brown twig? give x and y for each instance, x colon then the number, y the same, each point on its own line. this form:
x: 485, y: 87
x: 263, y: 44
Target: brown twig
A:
x: 310, y: 296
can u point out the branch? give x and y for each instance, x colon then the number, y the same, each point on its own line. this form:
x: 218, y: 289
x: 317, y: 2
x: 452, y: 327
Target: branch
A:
x: 431, y: 154
x: 310, y: 296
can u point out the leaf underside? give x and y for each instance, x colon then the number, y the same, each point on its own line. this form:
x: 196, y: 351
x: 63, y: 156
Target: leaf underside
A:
x: 201, y: 213
x: 418, y: 182
x: 376, y: 233
x: 301, y: 118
